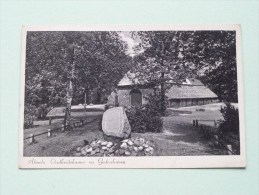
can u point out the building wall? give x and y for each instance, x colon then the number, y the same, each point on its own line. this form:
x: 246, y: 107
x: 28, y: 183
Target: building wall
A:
x: 189, y: 102
x: 175, y: 103
x: 124, y: 97
x: 183, y: 103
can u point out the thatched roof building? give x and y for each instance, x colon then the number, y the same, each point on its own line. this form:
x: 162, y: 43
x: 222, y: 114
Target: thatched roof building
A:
x: 192, y: 92
x: 189, y: 93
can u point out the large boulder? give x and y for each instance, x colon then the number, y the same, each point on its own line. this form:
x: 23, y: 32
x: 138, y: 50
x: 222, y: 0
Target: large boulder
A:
x: 115, y: 123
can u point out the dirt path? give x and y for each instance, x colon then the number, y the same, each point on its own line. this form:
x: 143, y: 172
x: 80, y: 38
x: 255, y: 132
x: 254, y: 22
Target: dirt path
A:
x: 181, y: 139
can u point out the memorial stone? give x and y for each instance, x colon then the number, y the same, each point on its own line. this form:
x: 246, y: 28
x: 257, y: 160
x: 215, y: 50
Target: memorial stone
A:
x: 115, y: 123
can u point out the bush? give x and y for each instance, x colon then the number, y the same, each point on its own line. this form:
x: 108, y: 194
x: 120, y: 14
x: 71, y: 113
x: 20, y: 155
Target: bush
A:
x: 146, y: 118
x: 42, y: 111
x: 230, y: 124
x: 30, y: 114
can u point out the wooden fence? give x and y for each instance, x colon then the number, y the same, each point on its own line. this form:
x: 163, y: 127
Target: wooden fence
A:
x: 63, y: 127
x: 212, y: 133
x: 196, y: 122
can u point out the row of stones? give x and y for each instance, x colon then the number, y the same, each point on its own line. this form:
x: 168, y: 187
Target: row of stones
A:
x: 127, y: 147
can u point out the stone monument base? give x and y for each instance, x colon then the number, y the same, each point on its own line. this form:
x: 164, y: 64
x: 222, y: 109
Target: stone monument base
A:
x: 113, y: 139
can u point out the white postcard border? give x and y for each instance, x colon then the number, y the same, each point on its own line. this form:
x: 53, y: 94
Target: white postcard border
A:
x: 221, y: 161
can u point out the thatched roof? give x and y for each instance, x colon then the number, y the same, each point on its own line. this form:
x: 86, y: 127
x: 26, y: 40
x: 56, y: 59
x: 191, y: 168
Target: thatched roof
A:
x: 125, y: 81
x: 130, y: 79
x: 189, y: 91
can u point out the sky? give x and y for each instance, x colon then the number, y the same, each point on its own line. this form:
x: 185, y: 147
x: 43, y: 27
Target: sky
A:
x: 126, y: 37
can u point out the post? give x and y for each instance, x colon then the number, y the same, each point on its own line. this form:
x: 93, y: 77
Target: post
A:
x: 49, y: 132
x: 31, y: 140
x: 197, y: 123
x: 50, y: 120
x: 66, y: 126
x: 216, y: 139
x: 194, y: 123
x: 85, y: 101
x: 82, y: 122
x: 229, y: 149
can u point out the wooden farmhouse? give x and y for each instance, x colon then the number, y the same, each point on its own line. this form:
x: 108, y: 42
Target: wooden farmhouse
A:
x: 190, y: 93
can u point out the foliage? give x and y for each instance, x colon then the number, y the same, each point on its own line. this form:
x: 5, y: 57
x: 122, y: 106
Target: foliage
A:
x: 146, y: 118
x: 222, y: 79
x: 168, y: 52
x: 42, y: 111
x: 223, y: 82
x: 161, y: 58
x: 92, y: 55
x: 230, y: 124
x: 172, y: 56
x: 63, y: 67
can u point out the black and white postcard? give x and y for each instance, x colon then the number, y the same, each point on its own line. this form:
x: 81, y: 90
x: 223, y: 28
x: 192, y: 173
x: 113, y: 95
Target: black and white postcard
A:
x: 159, y: 96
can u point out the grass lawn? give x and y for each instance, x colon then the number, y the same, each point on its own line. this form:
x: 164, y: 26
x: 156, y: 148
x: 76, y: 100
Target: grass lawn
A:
x: 61, y: 143
x: 179, y: 137
x: 187, y: 114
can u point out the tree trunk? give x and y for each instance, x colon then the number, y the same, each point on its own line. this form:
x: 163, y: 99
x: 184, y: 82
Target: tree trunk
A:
x: 68, y: 103
x: 98, y: 96
x: 162, y: 106
x: 88, y: 94
x: 69, y: 97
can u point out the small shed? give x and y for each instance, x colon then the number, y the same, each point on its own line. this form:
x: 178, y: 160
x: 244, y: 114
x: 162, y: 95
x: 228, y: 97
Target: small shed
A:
x: 128, y: 93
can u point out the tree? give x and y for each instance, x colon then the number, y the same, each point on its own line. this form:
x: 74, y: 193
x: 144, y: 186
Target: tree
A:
x: 167, y: 57
x: 44, y: 85
x: 61, y: 65
x: 103, y: 67
x: 222, y: 79
x: 230, y: 124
